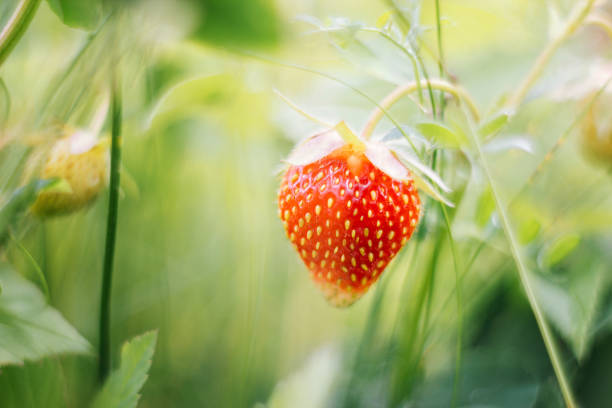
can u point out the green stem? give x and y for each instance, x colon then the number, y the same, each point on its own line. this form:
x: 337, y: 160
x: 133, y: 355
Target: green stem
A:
x: 577, y: 16
x: 458, y: 292
x: 338, y: 80
x: 523, y: 272
x: 15, y: 27
x: 111, y: 234
x: 408, y: 53
x: 409, y: 88
x: 440, y: 55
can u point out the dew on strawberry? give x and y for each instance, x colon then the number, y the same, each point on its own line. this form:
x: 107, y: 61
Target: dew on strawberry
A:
x: 347, y: 218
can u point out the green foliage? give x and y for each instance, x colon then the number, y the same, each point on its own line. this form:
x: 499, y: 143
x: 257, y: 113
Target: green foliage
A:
x: 494, y: 124
x: 78, y: 13
x: 29, y: 328
x: 123, y: 386
x: 440, y: 134
x: 200, y: 250
x: 236, y: 22
x: 557, y: 250
x: 22, y: 198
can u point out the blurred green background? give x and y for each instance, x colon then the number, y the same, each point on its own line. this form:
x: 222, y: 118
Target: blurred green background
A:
x: 202, y: 257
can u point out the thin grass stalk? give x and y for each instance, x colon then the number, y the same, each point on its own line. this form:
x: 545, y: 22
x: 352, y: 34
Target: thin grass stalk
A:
x: 104, y: 351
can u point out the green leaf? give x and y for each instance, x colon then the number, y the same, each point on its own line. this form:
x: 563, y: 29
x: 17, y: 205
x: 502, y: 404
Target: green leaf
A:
x: 384, y: 18
x: 122, y: 388
x: 5, y: 102
x: 558, y: 250
x: 236, y: 22
x: 573, y: 306
x: 528, y: 229
x: 425, y: 177
x: 440, y: 134
x: 37, y: 384
x: 191, y: 97
x: 494, y: 124
x: 29, y: 328
x: 78, y: 13
x: 485, y: 207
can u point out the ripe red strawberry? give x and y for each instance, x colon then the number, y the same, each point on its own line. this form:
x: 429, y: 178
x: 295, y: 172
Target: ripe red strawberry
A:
x: 347, y: 218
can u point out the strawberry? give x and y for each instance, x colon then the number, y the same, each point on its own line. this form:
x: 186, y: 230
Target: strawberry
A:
x: 82, y: 162
x: 597, y: 131
x: 345, y: 216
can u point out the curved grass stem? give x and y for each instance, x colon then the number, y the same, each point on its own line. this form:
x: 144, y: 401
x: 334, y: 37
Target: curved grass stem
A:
x: 577, y: 17
x: 104, y: 353
x: 411, y: 87
x: 547, y: 335
x: 15, y: 26
x: 602, y: 21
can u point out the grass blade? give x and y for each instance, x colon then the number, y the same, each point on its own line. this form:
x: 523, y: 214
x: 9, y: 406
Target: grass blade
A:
x: 547, y: 336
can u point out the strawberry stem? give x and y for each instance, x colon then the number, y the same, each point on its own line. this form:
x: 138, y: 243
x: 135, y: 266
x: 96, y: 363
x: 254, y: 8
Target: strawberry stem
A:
x: 409, y: 88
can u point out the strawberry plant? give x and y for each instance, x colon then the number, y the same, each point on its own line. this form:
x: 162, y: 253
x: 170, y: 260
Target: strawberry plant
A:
x: 305, y: 203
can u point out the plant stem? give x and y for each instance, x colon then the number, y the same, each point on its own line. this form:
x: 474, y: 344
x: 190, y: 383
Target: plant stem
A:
x: 15, y: 27
x: 111, y: 234
x: 547, y: 335
x: 458, y: 292
x: 579, y: 13
x: 408, y: 53
x: 409, y: 88
x: 440, y: 55
x: 602, y: 21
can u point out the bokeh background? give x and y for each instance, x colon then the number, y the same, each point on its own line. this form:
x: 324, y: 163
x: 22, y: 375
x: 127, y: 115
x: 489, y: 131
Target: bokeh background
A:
x: 202, y: 257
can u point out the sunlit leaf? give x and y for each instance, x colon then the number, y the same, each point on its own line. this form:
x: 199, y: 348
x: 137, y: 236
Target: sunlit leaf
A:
x: 424, y: 185
x: 558, y: 250
x: 439, y: 134
x: 425, y: 178
x: 485, y: 207
x: 78, y: 13
x: 494, y: 124
x: 528, y: 229
x: 235, y: 22
x: 5, y: 102
x: 122, y: 388
x: 190, y: 97
x: 404, y: 153
x: 384, y: 18
x: 29, y: 328
x: 499, y: 145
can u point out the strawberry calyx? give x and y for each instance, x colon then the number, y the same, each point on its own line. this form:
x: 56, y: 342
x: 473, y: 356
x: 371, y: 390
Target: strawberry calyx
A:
x: 393, y: 157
